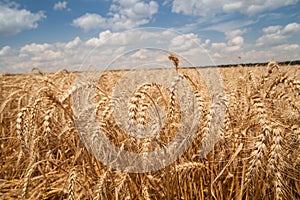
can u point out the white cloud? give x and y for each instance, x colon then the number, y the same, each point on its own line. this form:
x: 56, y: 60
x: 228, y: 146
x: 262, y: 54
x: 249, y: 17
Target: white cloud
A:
x: 61, y: 5
x: 235, y: 43
x: 40, y: 52
x: 166, y: 2
x: 136, y: 47
x: 229, y: 25
x: 291, y: 28
x: 5, y: 50
x: 287, y: 47
x: 260, y: 6
x: 285, y: 52
x: 108, y: 38
x: 231, y: 50
x: 219, y: 45
x: 123, y: 14
x: 272, y: 45
x: 123, y: 49
x: 232, y: 7
x: 213, y: 7
x: 90, y: 21
x: 235, y: 39
x: 275, y: 35
x: 35, y: 48
x: 222, y: 55
x: 131, y: 13
x: 73, y: 44
x: 234, y: 33
x: 48, y: 55
x: 184, y: 42
x: 271, y: 29
x: 14, y: 20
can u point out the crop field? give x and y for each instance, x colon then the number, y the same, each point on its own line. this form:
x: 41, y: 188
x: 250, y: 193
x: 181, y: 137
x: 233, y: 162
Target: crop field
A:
x: 256, y: 156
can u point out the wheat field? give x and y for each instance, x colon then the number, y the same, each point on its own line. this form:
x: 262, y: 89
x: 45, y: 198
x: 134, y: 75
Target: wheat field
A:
x: 257, y: 155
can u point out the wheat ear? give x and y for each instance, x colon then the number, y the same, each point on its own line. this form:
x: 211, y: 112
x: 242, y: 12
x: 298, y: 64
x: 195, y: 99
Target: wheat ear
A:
x: 275, y: 162
x: 19, y: 132
x: 100, y: 186
x: 173, y: 91
x: 260, y: 147
x: 120, y: 185
x: 71, y: 184
x: 32, y: 164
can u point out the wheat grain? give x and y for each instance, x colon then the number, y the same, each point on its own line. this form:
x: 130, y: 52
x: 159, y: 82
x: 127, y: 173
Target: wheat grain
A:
x: 265, y: 120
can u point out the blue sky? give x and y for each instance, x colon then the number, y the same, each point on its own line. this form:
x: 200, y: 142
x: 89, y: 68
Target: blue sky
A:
x: 53, y: 34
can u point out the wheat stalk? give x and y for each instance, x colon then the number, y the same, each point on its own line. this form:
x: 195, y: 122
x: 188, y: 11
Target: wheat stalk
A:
x: 35, y: 108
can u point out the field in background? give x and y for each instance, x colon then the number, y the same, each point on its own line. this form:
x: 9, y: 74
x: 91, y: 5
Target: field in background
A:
x: 256, y: 157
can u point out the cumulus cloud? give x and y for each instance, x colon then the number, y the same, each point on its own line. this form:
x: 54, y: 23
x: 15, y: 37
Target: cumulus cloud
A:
x: 234, y: 44
x: 234, y: 33
x: 46, y: 56
x: 275, y: 35
x: 34, y: 48
x: 123, y: 14
x: 5, y: 50
x: 231, y: 50
x: 271, y: 29
x: 14, y: 20
x: 119, y: 50
x: 213, y: 7
x: 184, y: 42
x: 221, y: 54
x: 40, y: 52
x: 130, y: 49
x: 61, y: 5
x: 235, y: 39
x: 284, y: 52
x: 74, y: 43
x: 291, y: 28
x: 272, y: 45
x: 90, y: 21
x: 114, y: 49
